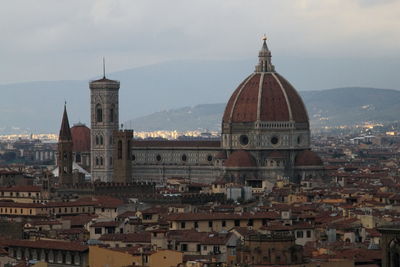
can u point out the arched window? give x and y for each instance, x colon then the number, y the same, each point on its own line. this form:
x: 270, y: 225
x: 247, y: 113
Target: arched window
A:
x: 101, y: 140
x: 112, y: 114
x: 97, y: 140
x: 99, y: 113
x: 119, y: 149
x: 97, y: 161
x: 101, y: 161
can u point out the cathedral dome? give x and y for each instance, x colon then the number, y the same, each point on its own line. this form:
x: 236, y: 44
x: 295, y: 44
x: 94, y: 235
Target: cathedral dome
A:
x: 80, y: 138
x: 308, y: 158
x: 240, y: 159
x: 265, y: 96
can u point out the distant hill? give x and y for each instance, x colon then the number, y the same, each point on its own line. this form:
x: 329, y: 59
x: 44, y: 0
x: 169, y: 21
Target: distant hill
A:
x: 340, y: 106
x: 36, y: 107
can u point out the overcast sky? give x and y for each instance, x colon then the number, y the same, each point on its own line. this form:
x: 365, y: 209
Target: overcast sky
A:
x: 53, y: 40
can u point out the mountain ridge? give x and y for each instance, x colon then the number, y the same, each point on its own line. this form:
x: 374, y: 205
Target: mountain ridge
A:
x: 330, y: 107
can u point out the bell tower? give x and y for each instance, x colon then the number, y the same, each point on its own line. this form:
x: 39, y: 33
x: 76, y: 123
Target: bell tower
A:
x: 104, y: 121
x: 64, y: 158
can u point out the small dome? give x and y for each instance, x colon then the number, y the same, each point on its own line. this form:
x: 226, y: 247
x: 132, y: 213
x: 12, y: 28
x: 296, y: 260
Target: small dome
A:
x: 80, y: 138
x: 221, y: 155
x: 241, y: 159
x: 308, y: 158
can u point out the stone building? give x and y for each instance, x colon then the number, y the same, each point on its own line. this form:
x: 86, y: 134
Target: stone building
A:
x: 54, y: 253
x: 104, y: 121
x: 265, y: 136
x: 276, y: 248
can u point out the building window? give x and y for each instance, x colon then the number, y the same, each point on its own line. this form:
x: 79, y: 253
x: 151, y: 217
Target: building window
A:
x: 158, y: 157
x: 101, y: 140
x: 183, y: 225
x: 237, y: 222
x: 299, y: 234
x: 112, y: 115
x: 184, y: 247
x: 99, y: 113
x: 97, y: 161
x: 210, y: 224
x: 119, y: 149
x: 97, y: 231
x: 97, y: 140
x: 196, y: 224
x: 223, y: 223
x: 101, y: 161
x: 308, y: 234
x: 209, y: 158
x: 78, y: 157
x: 250, y: 222
x: 274, y: 140
x: 184, y: 158
x: 128, y: 150
x: 198, y: 247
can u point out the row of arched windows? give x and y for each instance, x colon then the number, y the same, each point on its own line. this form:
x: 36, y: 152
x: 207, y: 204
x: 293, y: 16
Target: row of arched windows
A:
x: 99, y: 114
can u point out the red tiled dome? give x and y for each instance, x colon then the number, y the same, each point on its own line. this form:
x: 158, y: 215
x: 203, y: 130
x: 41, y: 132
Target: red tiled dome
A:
x: 240, y: 158
x: 80, y: 138
x: 307, y: 158
x: 266, y: 97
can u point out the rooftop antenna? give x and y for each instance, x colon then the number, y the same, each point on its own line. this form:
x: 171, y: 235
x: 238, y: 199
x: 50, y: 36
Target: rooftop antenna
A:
x: 104, y: 68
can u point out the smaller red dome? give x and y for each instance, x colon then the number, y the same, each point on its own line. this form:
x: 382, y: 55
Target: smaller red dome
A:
x: 276, y: 155
x: 308, y: 158
x: 240, y: 158
x: 80, y: 138
x: 221, y: 155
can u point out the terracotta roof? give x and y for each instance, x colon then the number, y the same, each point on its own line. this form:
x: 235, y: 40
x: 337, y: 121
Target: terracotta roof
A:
x: 48, y: 244
x: 267, y: 95
x: 105, y: 224
x: 175, y: 143
x: 221, y: 216
x: 79, y: 220
x: 25, y: 188
x: 144, y: 237
x: 240, y: 158
x: 308, y: 158
x: 80, y: 138
x: 21, y: 205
